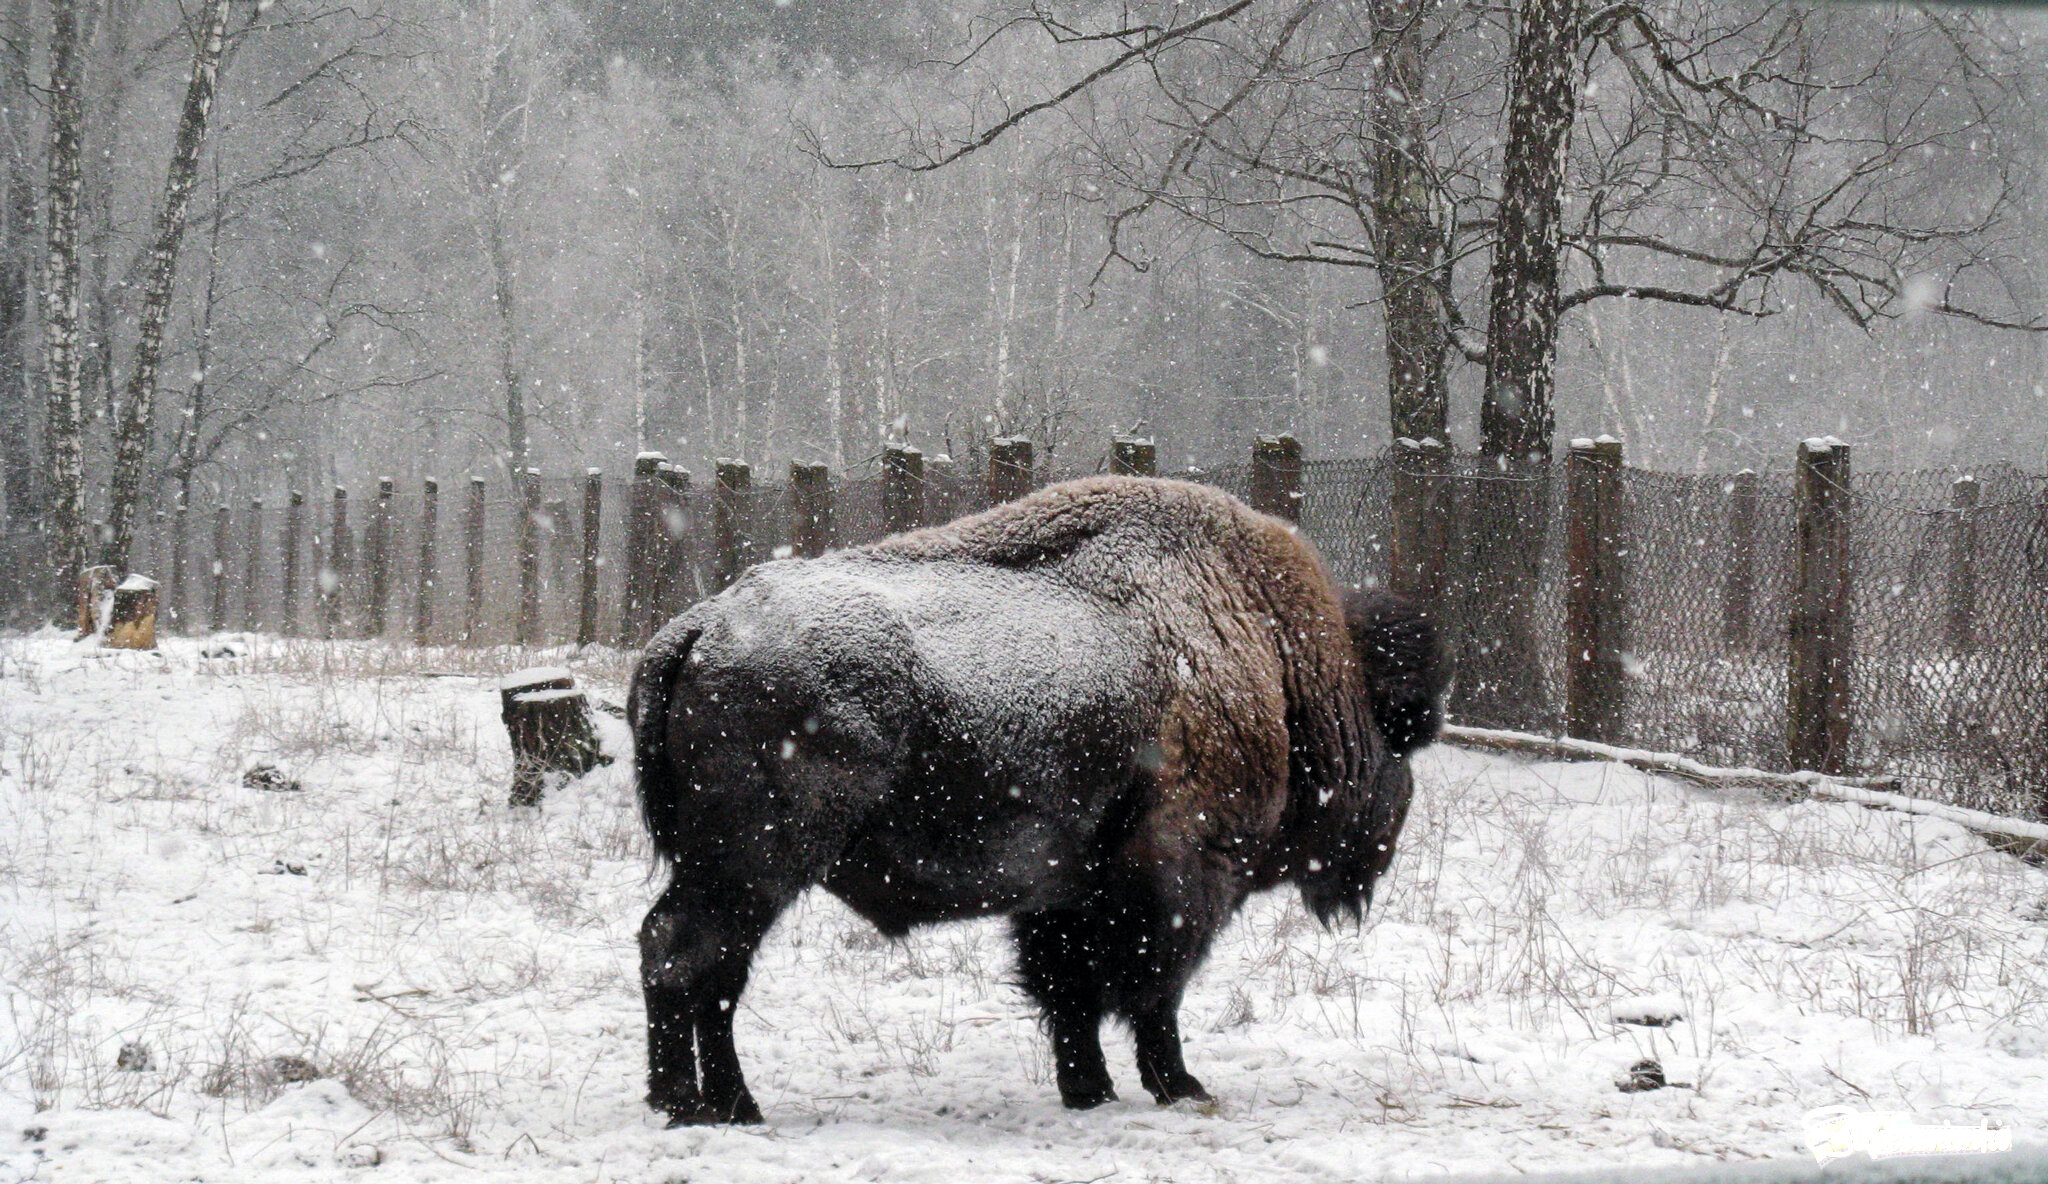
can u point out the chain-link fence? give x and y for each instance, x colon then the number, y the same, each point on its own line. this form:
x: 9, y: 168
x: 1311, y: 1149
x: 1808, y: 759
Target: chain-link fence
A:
x: 1948, y: 650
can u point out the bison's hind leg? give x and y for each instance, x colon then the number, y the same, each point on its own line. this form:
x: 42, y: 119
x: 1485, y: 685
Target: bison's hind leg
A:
x: 1059, y: 958
x: 1158, y: 917
x: 695, y: 947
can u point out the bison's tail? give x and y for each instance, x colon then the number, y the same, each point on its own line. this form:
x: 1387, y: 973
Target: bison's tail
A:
x: 1405, y: 666
x: 659, y: 774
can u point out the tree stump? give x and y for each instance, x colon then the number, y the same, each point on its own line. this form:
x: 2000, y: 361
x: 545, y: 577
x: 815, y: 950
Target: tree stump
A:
x: 95, y: 584
x: 131, y: 625
x: 548, y: 720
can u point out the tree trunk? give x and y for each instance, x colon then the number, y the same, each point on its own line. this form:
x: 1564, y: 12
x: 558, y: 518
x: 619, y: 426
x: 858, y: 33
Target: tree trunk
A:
x: 17, y: 262
x: 1410, y: 250
x: 1507, y: 517
x: 63, y: 445
x: 1516, y: 419
x: 132, y: 434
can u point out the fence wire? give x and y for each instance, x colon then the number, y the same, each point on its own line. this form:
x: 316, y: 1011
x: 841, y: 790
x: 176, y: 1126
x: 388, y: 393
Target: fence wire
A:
x: 1948, y: 674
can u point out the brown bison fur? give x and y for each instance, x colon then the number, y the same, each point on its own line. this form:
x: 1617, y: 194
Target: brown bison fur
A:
x: 1110, y: 710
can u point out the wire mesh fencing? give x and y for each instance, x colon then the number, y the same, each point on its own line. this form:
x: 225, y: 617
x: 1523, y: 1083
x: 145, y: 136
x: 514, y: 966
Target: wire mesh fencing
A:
x: 1944, y: 635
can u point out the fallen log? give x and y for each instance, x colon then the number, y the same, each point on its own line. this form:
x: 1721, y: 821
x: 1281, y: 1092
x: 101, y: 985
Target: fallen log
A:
x: 548, y: 721
x: 2028, y: 840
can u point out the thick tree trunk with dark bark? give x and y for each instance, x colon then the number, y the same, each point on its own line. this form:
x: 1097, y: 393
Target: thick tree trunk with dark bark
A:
x: 63, y: 445
x: 17, y: 268
x: 1410, y: 248
x: 1507, y: 511
x: 132, y: 436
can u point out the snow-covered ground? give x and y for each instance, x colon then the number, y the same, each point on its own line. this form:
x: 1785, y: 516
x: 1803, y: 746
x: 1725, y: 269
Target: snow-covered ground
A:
x: 462, y: 976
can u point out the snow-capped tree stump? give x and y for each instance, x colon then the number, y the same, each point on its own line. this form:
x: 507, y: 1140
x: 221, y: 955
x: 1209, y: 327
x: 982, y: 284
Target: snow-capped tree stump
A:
x: 94, y: 585
x: 548, y: 720
x: 131, y: 625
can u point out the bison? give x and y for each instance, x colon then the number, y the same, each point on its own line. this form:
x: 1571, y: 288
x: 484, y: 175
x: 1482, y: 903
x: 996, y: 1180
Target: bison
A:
x: 1110, y: 710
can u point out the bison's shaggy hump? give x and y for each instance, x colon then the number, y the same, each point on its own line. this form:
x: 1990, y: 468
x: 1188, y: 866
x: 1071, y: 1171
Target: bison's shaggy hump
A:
x: 1110, y: 709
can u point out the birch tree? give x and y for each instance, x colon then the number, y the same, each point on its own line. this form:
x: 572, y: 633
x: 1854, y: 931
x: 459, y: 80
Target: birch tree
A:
x: 63, y: 431
x: 132, y: 436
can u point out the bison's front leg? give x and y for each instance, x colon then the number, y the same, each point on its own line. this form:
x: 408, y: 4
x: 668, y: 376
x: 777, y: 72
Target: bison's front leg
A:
x: 1058, y: 958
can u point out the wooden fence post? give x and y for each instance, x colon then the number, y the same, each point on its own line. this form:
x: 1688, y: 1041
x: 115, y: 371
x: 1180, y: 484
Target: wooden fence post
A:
x: 528, y: 632
x: 294, y: 539
x: 1817, y: 699
x: 593, y: 525
x: 1276, y: 477
x: 675, y: 578
x: 810, y: 509
x: 1963, y: 497
x: 333, y: 574
x: 380, y: 556
x: 1738, y: 584
x: 1596, y: 587
x: 473, y: 561
x: 180, y: 612
x: 429, y: 573
x: 1419, y: 498
x: 636, y: 596
x: 252, y: 570
x: 941, y: 489
x: 1134, y: 456
x: 730, y: 547
x: 902, y: 488
x: 1009, y: 469
x: 217, y: 612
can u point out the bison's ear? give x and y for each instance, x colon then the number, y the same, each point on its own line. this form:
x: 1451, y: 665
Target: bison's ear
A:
x: 1402, y: 654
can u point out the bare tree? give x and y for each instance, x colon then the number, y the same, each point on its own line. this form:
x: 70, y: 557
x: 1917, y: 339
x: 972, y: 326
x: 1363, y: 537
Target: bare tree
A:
x: 135, y: 416
x: 63, y: 433
x: 17, y: 265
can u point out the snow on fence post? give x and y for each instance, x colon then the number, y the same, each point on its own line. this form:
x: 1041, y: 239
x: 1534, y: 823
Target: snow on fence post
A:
x: 902, y: 488
x: 217, y: 611
x: 1010, y: 465
x: 810, y: 509
x: 1817, y: 708
x: 1963, y: 497
x: 528, y: 630
x: 252, y: 570
x: 1738, y: 583
x: 730, y: 547
x: 1276, y: 476
x: 593, y: 525
x: 294, y: 536
x: 1596, y: 583
x: 429, y: 572
x: 178, y: 615
x: 1419, y: 497
x: 380, y: 557
x: 1134, y: 456
x: 473, y: 561
x: 636, y: 594
x: 333, y: 574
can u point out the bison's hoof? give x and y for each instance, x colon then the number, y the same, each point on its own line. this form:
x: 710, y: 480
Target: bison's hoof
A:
x: 695, y: 1111
x: 1087, y: 1099
x: 1181, y: 1087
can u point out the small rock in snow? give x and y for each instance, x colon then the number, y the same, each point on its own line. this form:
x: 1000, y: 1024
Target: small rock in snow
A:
x: 291, y: 1069
x: 1643, y: 1076
x: 134, y: 1057
x: 1648, y: 1011
x: 269, y: 777
x: 362, y: 1155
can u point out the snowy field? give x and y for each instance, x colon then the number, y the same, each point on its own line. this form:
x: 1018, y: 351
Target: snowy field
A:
x: 458, y: 980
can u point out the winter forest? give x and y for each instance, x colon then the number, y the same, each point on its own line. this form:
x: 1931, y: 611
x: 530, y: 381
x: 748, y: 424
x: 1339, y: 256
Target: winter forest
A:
x: 398, y: 239
x: 1524, y: 743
